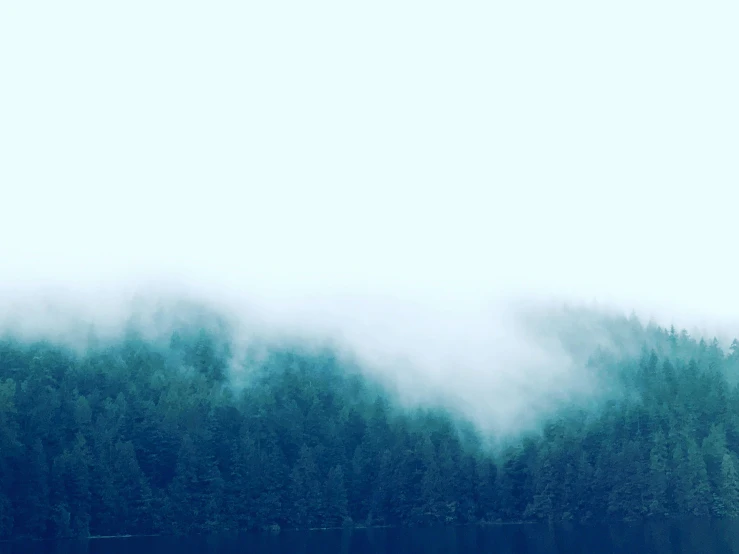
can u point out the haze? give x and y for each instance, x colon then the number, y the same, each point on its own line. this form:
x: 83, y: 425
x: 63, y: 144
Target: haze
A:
x: 442, y: 156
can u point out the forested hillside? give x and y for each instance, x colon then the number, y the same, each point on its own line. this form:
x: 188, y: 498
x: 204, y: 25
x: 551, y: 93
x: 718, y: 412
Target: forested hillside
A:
x: 137, y: 437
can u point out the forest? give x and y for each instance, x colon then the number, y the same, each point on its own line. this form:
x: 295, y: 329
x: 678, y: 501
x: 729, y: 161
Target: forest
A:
x: 142, y: 436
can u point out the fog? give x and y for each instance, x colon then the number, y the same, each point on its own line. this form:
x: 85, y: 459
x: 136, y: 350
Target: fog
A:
x: 418, y: 182
x: 504, y: 362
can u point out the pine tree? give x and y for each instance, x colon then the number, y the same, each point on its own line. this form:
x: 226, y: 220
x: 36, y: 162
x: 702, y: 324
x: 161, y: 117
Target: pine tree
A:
x: 336, y: 504
x: 184, y: 490
x: 305, y: 491
x: 76, y: 485
x: 699, y: 495
x: 729, y: 489
x: 134, y: 509
x: 542, y: 505
x: 32, y: 501
x: 658, y: 477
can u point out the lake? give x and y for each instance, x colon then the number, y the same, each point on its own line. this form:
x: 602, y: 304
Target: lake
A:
x: 693, y: 537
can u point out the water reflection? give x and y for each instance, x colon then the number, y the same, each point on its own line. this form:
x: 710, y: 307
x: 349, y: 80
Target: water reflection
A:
x: 691, y: 537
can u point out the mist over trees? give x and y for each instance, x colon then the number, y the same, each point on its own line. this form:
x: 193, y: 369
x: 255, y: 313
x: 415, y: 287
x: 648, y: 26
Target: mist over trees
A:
x: 143, y: 436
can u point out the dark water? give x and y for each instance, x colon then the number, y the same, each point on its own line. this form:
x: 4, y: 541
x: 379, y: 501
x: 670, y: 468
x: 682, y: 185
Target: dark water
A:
x: 709, y: 537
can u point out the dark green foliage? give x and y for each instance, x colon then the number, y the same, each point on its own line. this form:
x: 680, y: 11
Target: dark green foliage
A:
x: 139, y: 438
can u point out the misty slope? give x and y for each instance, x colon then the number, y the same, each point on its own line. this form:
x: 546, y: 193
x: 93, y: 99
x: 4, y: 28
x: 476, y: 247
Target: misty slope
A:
x: 147, y: 436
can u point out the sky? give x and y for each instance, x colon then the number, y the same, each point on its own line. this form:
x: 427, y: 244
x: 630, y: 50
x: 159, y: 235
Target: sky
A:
x: 431, y: 146
x: 450, y: 152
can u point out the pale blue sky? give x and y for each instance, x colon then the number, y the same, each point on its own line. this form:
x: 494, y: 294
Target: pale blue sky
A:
x: 441, y: 150
x: 435, y: 147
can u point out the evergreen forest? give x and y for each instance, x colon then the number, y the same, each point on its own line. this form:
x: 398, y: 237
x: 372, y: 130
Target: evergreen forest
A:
x: 143, y: 436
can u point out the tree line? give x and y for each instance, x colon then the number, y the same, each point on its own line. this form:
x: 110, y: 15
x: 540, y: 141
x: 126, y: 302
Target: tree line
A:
x: 140, y: 437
